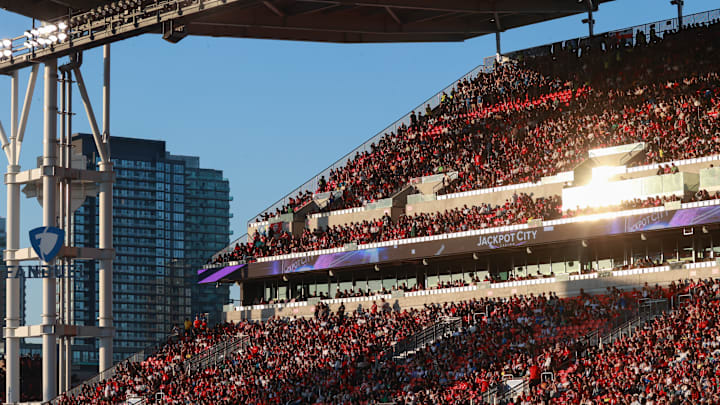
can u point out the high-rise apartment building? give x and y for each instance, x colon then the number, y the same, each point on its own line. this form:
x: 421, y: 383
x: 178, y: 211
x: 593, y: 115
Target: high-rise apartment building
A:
x: 169, y: 217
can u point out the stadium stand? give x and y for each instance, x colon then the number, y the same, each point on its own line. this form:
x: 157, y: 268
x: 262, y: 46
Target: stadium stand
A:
x: 562, y: 321
x: 516, y: 126
x: 551, y: 345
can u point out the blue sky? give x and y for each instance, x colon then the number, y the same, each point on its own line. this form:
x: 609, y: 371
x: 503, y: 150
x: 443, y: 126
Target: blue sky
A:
x: 271, y: 114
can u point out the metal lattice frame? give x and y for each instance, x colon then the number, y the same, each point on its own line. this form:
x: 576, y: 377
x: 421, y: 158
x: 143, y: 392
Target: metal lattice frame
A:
x: 92, y: 23
x: 56, y: 175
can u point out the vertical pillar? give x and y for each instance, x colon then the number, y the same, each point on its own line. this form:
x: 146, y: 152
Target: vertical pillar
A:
x: 69, y: 285
x: 679, y: 4
x: 12, y: 284
x: 49, y: 349
x: 591, y: 23
x: 61, y: 224
x: 498, y: 53
x: 105, y: 354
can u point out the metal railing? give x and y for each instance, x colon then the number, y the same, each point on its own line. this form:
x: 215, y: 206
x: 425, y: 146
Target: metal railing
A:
x: 648, y: 309
x: 217, y: 354
x: 622, y: 327
x: 424, y: 337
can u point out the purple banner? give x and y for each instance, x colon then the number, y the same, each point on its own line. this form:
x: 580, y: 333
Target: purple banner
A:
x: 525, y: 237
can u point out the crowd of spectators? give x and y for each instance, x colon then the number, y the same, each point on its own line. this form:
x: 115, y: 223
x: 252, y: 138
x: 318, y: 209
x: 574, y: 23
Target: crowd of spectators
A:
x: 520, y: 209
x: 339, y: 357
x: 539, y: 116
x: 673, y: 359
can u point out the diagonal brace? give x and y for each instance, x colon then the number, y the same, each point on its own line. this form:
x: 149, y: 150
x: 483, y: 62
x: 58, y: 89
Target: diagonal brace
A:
x: 18, y: 137
x: 97, y: 136
x: 5, y: 143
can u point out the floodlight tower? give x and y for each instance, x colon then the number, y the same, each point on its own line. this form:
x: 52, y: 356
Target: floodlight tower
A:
x: 53, y: 182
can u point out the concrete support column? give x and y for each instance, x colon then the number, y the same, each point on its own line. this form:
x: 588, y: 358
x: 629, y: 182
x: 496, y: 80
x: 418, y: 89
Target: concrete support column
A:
x: 49, y: 347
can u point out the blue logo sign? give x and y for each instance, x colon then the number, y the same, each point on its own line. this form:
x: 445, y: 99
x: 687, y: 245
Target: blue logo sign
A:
x: 46, y: 241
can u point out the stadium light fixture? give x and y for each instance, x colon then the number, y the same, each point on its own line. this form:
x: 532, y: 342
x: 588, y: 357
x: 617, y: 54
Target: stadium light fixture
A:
x: 584, y: 243
x: 643, y: 236
x: 425, y: 262
x: 476, y: 256
x: 7, y: 53
x: 7, y: 43
x: 331, y: 273
x: 705, y: 229
x: 528, y: 250
x: 285, y: 279
x: 377, y: 267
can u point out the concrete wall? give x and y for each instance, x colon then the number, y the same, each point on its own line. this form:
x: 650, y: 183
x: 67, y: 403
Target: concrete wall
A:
x: 496, y: 198
x: 561, y: 288
x: 331, y: 220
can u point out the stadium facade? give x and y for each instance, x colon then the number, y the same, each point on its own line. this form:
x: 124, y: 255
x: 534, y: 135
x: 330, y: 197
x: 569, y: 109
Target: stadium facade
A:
x: 169, y: 216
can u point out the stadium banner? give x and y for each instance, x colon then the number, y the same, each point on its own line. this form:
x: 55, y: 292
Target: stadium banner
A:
x: 469, y: 244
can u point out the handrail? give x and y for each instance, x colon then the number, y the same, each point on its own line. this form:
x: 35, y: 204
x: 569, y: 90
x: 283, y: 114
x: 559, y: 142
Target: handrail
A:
x: 217, y: 354
x: 647, y: 309
x: 422, y: 338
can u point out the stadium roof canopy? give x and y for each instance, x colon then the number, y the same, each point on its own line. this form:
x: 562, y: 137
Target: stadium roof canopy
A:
x: 344, y: 21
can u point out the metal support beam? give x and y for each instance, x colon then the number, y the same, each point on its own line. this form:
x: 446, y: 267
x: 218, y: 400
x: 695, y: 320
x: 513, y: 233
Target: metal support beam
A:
x: 591, y: 24
x: 25, y: 111
x: 49, y: 347
x: 498, y: 54
x: 274, y: 8
x: 61, y: 286
x: 106, y: 226
x: 5, y: 143
x: 66, y: 218
x: 679, y: 4
x: 97, y: 136
x: 12, y: 285
x: 393, y: 15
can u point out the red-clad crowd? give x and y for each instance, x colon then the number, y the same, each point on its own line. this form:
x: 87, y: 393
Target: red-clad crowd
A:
x: 674, y: 359
x: 339, y: 357
x: 518, y: 210
x: 541, y: 115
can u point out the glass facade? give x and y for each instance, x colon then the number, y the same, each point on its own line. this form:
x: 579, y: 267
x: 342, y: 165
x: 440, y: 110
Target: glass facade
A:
x: 667, y: 247
x: 169, y: 217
